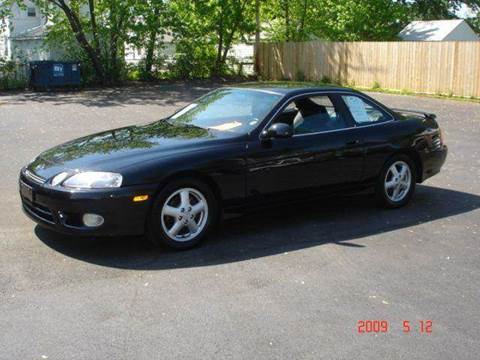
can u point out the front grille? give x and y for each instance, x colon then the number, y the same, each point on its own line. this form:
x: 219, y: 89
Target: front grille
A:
x: 33, y: 177
x: 38, y: 211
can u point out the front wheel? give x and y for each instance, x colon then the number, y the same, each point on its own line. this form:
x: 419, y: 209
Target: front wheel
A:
x: 396, y: 183
x: 182, y: 214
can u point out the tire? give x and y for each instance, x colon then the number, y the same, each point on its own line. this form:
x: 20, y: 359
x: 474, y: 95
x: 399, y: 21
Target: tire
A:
x: 394, y: 190
x: 179, y: 221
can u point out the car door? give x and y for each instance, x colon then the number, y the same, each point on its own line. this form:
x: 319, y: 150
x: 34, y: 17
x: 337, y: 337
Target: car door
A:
x: 376, y: 127
x: 324, y: 152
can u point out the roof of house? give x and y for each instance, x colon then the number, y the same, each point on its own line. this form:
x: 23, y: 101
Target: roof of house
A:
x: 437, y: 30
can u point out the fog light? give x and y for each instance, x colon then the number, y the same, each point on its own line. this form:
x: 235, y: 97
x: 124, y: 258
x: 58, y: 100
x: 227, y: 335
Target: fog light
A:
x: 92, y: 220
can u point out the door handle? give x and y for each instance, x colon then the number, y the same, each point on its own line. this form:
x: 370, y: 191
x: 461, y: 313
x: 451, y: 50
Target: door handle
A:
x: 353, y: 142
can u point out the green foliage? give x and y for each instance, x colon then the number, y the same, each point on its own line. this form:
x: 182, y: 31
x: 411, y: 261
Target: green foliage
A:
x: 376, y: 85
x: 353, y: 20
x: 206, y: 28
x: 348, y: 20
x: 474, y: 22
x: 92, y: 31
x: 99, y: 32
x: 12, y: 75
x: 193, y: 60
x: 300, y: 76
x: 436, y: 9
x: 147, y: 29
x: 325, y: 80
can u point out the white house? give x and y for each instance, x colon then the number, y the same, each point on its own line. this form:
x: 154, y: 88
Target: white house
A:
x: 22, y: 34
x: 438, y: 30
x: 167, y: 50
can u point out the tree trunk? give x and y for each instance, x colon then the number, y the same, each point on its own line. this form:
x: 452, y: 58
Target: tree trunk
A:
x: 93, y: 21
x: 257, y: 36
x: 79, y: 33
x: 150, y: 52
x: 115, y: 39
x: 287, y: 20
x: 228, y: 41
x: 218, y: 60
x: 300, y: 35
x: 152, y: 40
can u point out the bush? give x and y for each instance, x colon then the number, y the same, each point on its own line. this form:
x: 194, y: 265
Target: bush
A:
x: 325, y: 80
x: 12, y: 75
x: 193, y: 60
x: 300, y: 75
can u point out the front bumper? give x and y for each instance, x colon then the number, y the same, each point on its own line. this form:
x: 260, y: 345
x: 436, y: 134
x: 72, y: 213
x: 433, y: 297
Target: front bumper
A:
x: 61, y: 210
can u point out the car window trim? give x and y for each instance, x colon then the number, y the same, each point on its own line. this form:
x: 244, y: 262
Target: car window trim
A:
x: 326, y: 92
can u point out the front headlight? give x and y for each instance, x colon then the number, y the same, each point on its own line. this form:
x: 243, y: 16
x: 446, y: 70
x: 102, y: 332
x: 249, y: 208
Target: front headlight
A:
x: 90, y: 180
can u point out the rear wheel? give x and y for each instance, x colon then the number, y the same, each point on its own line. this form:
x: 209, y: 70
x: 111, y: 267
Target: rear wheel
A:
x: 396, y: 183
x: 182, y: 214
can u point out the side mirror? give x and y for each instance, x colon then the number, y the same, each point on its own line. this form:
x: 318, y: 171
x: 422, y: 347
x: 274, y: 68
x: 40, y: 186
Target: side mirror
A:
x: 278, y: 130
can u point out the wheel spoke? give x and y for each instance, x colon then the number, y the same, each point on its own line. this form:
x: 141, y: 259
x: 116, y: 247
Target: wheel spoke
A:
x: 198, y: 207
x: 403, y: 172
x: 192, y: 226
x: 171, y: 211
x: 184, y: 214
x: 185, y: 198
x: 175, y: 228
x: 394, y: 170
x: 390, y: 184
x: 395, y: 192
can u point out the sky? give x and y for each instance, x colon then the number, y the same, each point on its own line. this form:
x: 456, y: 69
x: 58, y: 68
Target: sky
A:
x: 465, y: 12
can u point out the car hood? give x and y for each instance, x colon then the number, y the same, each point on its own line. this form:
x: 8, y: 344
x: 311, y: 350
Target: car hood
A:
x: 119, y: 148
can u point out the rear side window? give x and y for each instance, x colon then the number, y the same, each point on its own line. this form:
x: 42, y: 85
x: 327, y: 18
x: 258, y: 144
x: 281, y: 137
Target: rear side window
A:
x: 364, y: 112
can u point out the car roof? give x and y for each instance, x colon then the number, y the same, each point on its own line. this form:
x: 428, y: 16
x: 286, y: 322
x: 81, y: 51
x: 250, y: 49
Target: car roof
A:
x: 292, y: 91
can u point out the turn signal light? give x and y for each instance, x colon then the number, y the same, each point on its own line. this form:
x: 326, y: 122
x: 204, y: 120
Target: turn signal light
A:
x: 139, y: 198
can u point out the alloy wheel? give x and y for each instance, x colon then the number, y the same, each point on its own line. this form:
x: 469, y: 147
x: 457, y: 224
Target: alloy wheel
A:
x: 398, y: 181
x: 184, y: 214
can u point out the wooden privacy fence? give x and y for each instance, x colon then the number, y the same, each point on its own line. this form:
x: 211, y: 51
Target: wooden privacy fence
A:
x: 451, y: 68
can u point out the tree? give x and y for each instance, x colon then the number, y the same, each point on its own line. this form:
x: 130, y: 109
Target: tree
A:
x: 474, y: 22
x: 347, y: 20
x: 150, y: 21
x: 288, y: 20
x: 213, y: 23
x: 353, y: 20
x: 99, y: 29
x: 71, y: 11
x: 437, y: 9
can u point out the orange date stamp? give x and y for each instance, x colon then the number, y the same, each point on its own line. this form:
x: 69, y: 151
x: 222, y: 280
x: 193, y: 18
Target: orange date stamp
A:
x: 383, y: 326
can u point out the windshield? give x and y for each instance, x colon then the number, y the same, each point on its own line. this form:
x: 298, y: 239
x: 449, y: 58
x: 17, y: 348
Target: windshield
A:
x: 232, y: 110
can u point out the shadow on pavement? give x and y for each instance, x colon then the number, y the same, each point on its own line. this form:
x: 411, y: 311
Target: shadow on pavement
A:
x: 168, y: 93
x: 340, y: 221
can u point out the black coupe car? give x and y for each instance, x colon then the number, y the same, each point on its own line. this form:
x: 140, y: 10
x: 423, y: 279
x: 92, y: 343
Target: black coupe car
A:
x: 232, y: 149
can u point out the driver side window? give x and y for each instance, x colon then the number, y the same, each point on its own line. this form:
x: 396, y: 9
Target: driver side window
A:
x: 311, y: 115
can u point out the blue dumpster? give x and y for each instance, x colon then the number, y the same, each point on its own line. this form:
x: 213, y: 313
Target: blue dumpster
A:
x: 54, y: 74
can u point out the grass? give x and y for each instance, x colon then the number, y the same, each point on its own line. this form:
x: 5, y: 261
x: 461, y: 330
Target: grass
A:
x: 375, y: 88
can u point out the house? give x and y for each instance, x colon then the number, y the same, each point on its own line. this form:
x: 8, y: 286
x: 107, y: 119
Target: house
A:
x: 167, y: 50
x: 22, y: 34
x: 438, y: 30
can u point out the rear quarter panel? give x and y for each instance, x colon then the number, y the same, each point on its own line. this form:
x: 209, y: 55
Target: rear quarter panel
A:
x: 384, y: 140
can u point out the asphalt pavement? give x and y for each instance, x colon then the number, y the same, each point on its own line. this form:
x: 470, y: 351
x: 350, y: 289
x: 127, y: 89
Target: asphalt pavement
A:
x: 288, y: 283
